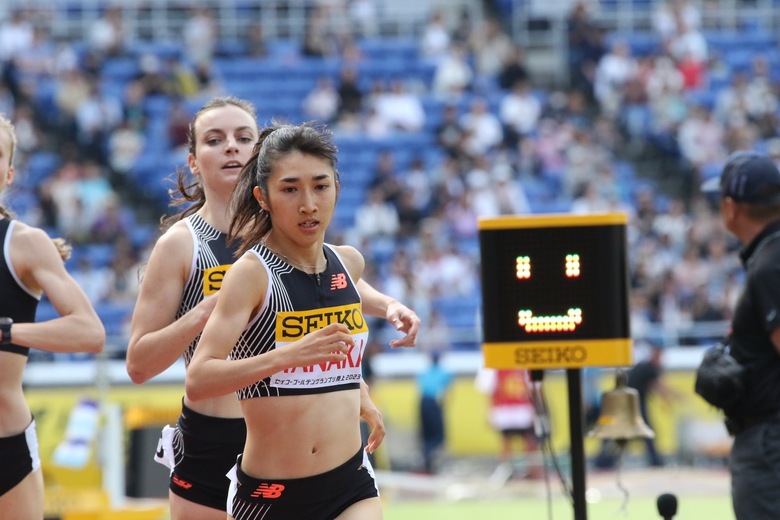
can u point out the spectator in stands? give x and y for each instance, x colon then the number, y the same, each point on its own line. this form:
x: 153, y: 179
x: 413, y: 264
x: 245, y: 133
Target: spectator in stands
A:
x: 585, y: 47
x: 123, y: 279
x: 180, y: 78
x: 112, y: 223
x: 386, y: 177
x: 491, y: 47
x: 28, y: 132
x: 200, y: 33
x: 519, y: 112
x: 16, y: 38
x: 349, y: 92
x: 584, y: 157
x: 483, y: 128
x: 151, y: 75
x: 106, y: 35
x: 511, y: 197
x: 174, y: 304
x: 689, y: 43
x: 93, y: 190
x: 93, y: 279
x: 704, y: 309
x: 453, y: 75
x: 400, y: 107
x: 318, y: 42
x: 208, y: 80
x: 588, y: 199
x: 669, y: 15
x: 663, y: 77
x: 32, y: 266
x: 178, y: 127
x: 675, y: 222
x: 417, y: 182
x: 364, y: 14
x: 440, y: 269
x: 762, y: 100
x: 257, y: 46
x: 322, y: 103
x: 71, y: 89
x: 690, y: 272
x: 36, y: 64
x: 435, y: 39
x: 124, y: 145
x: 701, y: 139
x: 693, y: 71
x: 376, y: 217
x: 96, y: 117
x: 449, y: 133
x: 613, y: 72
x: 513, y: 69
x: 448, y: 182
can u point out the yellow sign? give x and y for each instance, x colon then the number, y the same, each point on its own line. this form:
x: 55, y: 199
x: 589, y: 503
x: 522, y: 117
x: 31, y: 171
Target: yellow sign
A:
x: 555, y: 291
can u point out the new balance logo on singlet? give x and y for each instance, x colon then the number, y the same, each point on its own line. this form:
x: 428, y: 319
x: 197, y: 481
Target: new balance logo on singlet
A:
x: 338, y: 281
x: 268, y: 491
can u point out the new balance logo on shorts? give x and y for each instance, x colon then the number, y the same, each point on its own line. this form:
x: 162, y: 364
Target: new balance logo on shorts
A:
x: 268, y: 491
x: 338, y: 281
x: 181, y: 483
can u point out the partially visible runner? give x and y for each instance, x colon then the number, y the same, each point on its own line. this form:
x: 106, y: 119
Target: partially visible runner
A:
x: 31, y: 265
x: 288, y: 336
x: 178, y: 293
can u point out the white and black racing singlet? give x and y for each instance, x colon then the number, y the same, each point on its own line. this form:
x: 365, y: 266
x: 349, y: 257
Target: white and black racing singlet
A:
x: 17, y: 301
x: 297, y: 303
x: 211, y: 258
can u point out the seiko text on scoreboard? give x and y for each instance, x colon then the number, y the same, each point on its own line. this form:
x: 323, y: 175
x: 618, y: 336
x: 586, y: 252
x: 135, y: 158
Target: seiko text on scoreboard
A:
x: 555, y: 291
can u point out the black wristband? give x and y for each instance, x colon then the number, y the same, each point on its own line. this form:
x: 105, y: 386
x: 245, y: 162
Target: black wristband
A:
x: 5, y: 327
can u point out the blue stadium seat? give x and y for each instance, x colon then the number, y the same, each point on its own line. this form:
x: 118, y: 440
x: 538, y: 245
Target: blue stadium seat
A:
x: 114, y: 316
x: 40, y: 166
x: 121, y: 69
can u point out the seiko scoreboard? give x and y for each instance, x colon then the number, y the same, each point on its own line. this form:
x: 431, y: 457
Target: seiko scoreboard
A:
x: 555, y: 291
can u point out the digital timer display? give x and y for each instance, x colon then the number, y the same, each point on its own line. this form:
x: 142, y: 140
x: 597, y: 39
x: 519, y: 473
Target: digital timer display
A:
x: 555, y: 291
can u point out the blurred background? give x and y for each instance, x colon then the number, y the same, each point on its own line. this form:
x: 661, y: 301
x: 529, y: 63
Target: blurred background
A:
x: 444, y: 111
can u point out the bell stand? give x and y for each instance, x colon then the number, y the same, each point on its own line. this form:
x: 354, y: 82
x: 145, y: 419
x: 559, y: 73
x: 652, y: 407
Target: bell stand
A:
x: 577, y: 443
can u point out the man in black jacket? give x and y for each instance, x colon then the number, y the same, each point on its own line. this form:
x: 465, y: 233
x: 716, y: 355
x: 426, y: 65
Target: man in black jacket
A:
x: 749, y: 189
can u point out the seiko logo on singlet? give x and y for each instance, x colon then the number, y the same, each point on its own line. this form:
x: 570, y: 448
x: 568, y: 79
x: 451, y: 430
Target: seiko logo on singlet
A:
x: 291, y: 326
x: 265, y: 490
x: 212, y: 279
x: 338, y: 281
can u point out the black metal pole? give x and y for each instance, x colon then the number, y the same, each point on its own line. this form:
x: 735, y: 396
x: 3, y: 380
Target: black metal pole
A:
x: 576, y: 427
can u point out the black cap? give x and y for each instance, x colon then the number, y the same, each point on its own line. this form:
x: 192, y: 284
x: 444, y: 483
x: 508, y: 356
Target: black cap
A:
x: 747, y: 177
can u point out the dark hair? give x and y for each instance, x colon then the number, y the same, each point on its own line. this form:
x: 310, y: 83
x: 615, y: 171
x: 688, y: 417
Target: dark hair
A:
x: 189, y: 191
x: 251, y: 223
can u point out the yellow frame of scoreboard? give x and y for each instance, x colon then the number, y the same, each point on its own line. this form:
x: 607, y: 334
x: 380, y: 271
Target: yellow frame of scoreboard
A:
x: 555, y: 291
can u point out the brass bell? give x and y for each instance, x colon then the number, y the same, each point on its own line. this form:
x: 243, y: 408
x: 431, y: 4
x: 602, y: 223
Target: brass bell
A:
x: 620, y: 418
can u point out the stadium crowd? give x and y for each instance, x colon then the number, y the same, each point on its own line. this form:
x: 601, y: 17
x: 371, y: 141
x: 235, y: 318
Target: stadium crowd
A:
x: 631, y: 131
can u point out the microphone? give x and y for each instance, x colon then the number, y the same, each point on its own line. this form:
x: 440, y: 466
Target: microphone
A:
x: 667, y: 505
